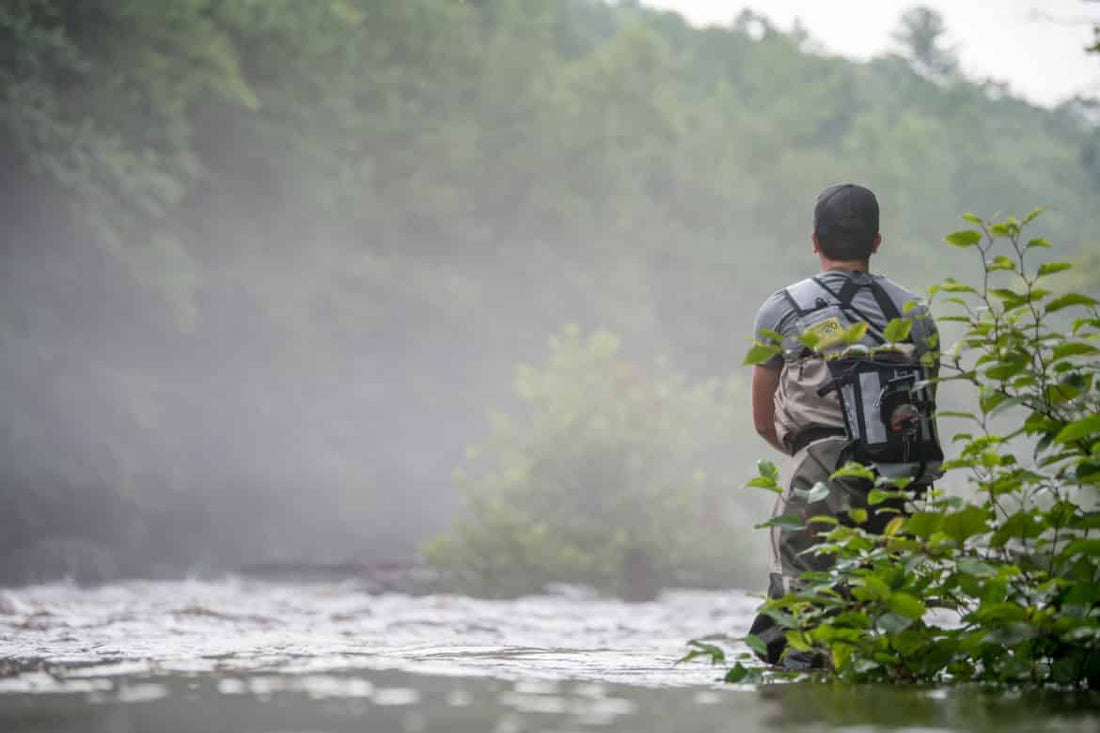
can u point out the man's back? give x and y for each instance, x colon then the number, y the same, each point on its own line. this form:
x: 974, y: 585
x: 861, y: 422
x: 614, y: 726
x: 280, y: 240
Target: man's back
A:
x: 825, y: 305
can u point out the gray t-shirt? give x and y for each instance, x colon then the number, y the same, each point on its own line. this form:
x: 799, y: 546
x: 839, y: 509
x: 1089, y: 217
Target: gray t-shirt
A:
x: 778, y: 313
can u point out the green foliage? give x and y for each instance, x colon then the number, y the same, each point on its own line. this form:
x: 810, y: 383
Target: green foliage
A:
x: 613, y: 480
x: 1003, y: 586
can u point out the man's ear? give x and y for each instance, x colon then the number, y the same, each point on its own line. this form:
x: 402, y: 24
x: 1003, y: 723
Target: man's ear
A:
x: 877, y: 241
x: 817, y: 246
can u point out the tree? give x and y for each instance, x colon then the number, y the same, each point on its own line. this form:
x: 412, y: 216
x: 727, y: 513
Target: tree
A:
x: 920, y: 33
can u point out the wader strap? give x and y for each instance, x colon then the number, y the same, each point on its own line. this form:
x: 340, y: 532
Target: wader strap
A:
x: 812, y: 434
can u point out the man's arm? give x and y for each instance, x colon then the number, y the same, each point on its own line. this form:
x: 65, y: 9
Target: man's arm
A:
x: 765, y: 380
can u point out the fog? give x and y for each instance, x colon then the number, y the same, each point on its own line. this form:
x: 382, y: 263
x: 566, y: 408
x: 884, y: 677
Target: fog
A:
x: 267, y: 275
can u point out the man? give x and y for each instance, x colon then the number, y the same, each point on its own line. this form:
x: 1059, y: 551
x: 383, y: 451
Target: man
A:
x: 797, y: 405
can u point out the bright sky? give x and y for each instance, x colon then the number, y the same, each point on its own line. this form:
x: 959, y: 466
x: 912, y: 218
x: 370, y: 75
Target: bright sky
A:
x: 1034, y: 45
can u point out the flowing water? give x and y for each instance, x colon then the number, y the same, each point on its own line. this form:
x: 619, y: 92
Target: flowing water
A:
x: 238, y: 655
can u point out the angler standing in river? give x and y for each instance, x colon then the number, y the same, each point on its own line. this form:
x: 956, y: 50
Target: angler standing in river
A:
x: 825, y: 400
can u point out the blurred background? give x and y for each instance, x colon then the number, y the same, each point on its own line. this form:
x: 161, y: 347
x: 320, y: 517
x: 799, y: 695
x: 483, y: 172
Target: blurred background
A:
x: 354, y: 280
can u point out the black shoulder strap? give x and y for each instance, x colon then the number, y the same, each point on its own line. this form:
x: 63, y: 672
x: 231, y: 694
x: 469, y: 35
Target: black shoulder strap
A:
x: 885, y: 302
x: 848, y: 291
x: 874, y: 331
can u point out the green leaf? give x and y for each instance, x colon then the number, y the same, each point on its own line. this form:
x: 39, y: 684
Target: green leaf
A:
x: 1078, y: 429
x: 783, y: 521
x: 859, y: 516
x: 785, y: 620
x: 818, y: 492
x: 905, y: 605
x: 852, y: 469
x: 1006, y: 370
x: 967, y: 523
x: 702, y: 649
x: 1080, y: 323
x: 1037, y: 294
x: 769, y: 335
x: 973, y: 219
x: 1088, y: 520
x: 1022, y: 525
x: 871, y: 588
x: 736, y: 674
x: 952, y: 286
x: 1000, y: 262
x: 754, y: 642
x: 1074, y: 348
x: 964, y: 238
x: 855, y: 333
x: 1034, y: 215
x: 761, y: 353
x: 823, y: 519
x: 763, y: 482
x: 1006, y: 294
x: 1068, y: 300
x: 1038, y: 242
x: 976, y: 567
x: 990, y: 399
x: 894, y: 526
x: 999, y: 613
x: 1090, y: 548
x: 923, y: 524
x: 1049, y: 268
x: 798, y: 640
x: 897, y: 330
x: 893, y: 623
x: 956, y: 413
x: 768, y: 469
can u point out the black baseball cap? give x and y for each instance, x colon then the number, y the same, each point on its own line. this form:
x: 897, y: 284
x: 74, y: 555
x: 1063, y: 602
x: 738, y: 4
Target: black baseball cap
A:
x: 846, y: 209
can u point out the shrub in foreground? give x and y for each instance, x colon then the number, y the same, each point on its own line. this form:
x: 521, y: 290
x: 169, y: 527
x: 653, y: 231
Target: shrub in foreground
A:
x: 1002, y: 586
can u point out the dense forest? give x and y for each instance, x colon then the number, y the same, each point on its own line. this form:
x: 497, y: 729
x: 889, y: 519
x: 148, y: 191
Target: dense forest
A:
x: 268, y: 265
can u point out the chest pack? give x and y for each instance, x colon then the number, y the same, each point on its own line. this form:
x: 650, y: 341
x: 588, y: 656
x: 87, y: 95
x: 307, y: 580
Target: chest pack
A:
x: 886, y: 404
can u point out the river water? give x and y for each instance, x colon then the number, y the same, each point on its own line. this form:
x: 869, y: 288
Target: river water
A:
x: 240, y: 655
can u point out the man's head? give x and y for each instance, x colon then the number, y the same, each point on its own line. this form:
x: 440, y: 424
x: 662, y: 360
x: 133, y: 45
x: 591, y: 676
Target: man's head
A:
x: 846, y: 223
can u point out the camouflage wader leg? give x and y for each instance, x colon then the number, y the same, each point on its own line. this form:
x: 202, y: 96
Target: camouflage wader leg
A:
x: 802, y: 471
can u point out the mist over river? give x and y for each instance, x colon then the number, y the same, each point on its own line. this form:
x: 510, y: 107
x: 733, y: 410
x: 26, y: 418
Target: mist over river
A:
x: 264, y: 656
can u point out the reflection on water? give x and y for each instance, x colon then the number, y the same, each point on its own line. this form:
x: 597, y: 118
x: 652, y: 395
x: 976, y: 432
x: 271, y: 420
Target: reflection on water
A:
x: 288, y: 657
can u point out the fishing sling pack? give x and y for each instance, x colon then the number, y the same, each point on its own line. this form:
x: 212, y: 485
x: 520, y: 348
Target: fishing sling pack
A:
x: 887, y: 405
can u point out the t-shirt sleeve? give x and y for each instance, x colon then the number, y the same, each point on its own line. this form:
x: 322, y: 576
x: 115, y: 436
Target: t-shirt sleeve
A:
x: 768, y: 318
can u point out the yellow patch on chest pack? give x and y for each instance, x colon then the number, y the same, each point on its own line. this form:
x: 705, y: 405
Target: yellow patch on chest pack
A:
x: 826, y: 333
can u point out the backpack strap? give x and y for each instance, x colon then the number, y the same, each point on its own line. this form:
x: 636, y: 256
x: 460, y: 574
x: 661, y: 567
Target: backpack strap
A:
x: 872, y: 330
x: 848, y: 291
x: 796, y: 310
x: 793, y: 303
x: 885, y: 302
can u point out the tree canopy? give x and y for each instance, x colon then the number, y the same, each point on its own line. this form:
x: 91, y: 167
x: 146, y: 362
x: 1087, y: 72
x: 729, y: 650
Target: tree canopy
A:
x: 273, y: 259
